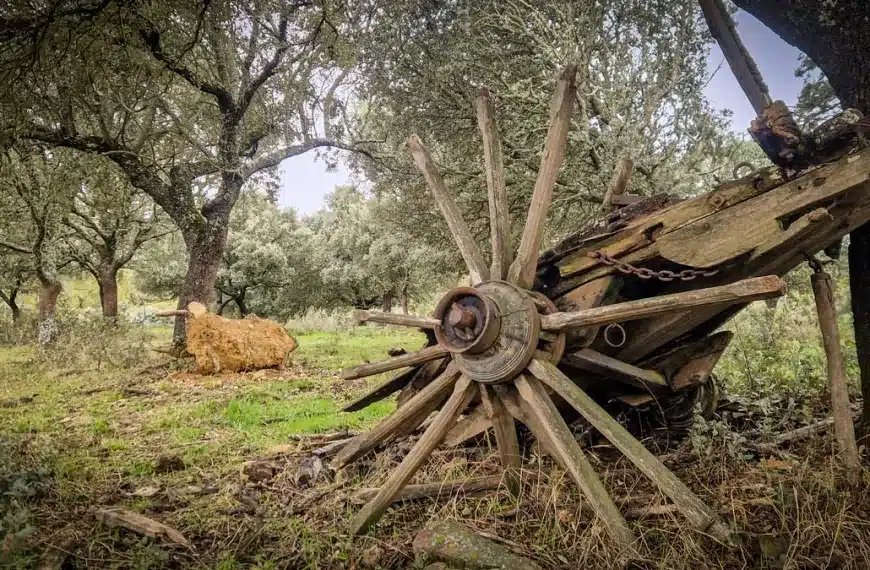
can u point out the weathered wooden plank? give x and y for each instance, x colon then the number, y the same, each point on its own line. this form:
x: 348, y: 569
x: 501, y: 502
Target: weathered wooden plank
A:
x: 458, y: 228
x: 602, y: 291
x: 522, y: 270
x: 463, y: 390
x: 699, y: 515
x: 745, y: 291
x: 558, y: 434
x: 592, y: 360
x: 384, y: 390
x: 838, y: 382
x: 499, y: 215
x: 619, y: 182
x: 409, y: 413
x: 417, y: 321
x: 505, y: 436
x: 433, y: 352
x: 692, y: 363
x: 746, y: 226
x: 434, y: 490
x: 473, y: 424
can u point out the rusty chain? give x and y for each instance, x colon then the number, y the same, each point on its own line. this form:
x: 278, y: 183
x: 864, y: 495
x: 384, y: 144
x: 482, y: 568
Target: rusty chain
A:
x: 647, y: 273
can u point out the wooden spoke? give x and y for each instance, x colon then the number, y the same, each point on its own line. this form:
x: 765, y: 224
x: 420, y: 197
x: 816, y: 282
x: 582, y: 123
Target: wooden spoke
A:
x: 458, y: 228
x: 592, y: 360
x: 369, y: 514
x: 499, y: 216
x: 397, y: 382
x: 412, y: 413
x: 471, y: 425
x: 511, y: 400
x: 744, y: 291
x: 396, y: 319
x: 433, y: 352
x: 522, y: 271
x: 539, y: 405
x: 698, y: 514
x: 505, y: 436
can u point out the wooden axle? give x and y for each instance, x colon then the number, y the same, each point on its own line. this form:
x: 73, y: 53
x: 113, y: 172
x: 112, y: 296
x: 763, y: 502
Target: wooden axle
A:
x: 396, y: 319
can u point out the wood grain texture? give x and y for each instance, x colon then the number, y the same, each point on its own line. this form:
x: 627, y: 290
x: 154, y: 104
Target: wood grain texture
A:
x: 838, y: 382
x: 458, y: 228
x: 499, y: 215
x: 548, y: 419
x: 417, y: 321
x: 383, y: 390
x: 471, y: 425
x: 619, y: 182
x: 409, y: 414
x: 433, y: 352
x: 434, y: 490
x: 505, y: 436
x: 699, y: 514
x: 745, y: 291
x: 463, y: 391
x: 522, y: 270
x: 594, y: 361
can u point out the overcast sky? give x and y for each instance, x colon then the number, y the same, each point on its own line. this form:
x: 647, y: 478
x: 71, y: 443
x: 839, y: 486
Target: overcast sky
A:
x: 305, y: 181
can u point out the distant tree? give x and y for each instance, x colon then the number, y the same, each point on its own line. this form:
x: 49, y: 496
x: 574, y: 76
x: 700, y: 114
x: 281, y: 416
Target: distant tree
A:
x: 109, y: 221
x: 16, y: 270
x: 817, y: 101
x: 190, y: 99
x: 37, y: 187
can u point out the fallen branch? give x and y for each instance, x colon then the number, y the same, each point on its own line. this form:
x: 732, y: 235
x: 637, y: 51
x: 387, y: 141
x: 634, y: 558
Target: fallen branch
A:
x: 417, y: 492
x: 140, y: 524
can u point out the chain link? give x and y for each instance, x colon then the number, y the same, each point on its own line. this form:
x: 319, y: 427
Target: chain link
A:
x: 647, y: 273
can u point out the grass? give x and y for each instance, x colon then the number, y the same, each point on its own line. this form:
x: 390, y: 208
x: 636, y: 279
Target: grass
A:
x: 74, y: 439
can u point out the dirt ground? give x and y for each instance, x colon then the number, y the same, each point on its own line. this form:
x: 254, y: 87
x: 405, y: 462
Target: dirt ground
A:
x: 226, y: 459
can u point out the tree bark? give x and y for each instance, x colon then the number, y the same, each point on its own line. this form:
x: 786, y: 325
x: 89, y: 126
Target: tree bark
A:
x: 403, y: 299
x: 243, y: 308
x: 108, y: 280
x: 835, y: 35
x: 49, y: 291
x: 11, y: 302
x: 387, y: 303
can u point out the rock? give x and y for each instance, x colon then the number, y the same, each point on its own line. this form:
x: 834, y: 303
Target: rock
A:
x: 456, y: 545
x: 259, y: 471
x: 168, y: 464
x: 308, y: 472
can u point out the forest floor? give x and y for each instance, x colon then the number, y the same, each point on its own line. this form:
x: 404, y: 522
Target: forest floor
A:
x: 218, y: 458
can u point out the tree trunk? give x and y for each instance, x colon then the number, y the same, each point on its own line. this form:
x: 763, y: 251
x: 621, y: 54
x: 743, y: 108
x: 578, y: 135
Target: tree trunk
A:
x: 205, y: 249
x: 108, y: 280
x: 387, y: 303
x: 11, y: 302
x: 859, y: 284
x: 403, y: 299
x: 48, y: 294
x: 835, y: 35
x: 243, y: 309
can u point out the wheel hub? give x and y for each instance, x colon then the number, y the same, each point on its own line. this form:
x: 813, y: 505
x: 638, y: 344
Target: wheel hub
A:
x: 492, y: 330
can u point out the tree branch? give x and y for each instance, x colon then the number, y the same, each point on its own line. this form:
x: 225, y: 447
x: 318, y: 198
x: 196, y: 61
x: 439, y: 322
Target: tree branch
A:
x: 15, y: 247
x: 277, y: 157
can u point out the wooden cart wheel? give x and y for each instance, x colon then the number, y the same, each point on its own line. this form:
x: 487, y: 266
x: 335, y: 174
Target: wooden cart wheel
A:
x: 501, y: 342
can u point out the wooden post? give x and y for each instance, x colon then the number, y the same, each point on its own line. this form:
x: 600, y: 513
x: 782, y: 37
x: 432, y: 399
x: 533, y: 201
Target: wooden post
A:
x: 837, y: 380
x: 619, y: 182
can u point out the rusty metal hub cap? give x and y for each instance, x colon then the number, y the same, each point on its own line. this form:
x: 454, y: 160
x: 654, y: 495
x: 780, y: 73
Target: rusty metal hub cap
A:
x: 492, y: 330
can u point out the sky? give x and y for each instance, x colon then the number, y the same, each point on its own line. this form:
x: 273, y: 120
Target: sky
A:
x: 305, y: 180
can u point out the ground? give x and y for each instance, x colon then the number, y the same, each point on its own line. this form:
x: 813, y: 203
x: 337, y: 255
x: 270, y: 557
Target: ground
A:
x: 179, y: 448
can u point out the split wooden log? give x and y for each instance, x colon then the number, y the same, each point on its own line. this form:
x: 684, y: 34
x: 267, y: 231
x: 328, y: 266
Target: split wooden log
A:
x: 745, y: 291
x: 499, y: 215
x: 427, y: 354
x: 458, y: 228
x: 618, y: 184
x: 463, y: 391
x: 396, y: 319
x: 434, y: 490
x: 837, y: 380
x: 522, y: 270
x: 563, y: 445
x: 699, y: 514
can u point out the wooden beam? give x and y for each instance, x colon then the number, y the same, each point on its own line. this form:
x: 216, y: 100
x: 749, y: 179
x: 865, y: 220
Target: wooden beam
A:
x: 522, y: 271
x: 463, y: 391
x: 505, y: 437
x: 699, y: 514
x: 434, y: 490
x: 745, y: 291
x: 594, y: 361
x: 618, y: 184
x: 431, y: 395
x: 499, y: 215
x: 539, y: 405
x: 433, y: 352
x: 458, y: 228
x: 396, y: 319
x: 838, y: 382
